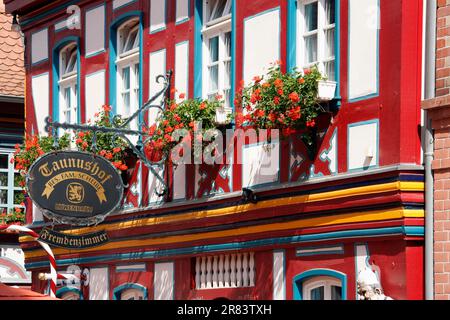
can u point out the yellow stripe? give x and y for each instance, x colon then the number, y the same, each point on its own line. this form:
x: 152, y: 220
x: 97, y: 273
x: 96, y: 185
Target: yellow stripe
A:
x: 295, y: 200
x: 354, y: 217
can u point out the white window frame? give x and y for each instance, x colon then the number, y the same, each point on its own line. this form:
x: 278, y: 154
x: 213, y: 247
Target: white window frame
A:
x: 317, y: 282
x: 10, y: 188
x: 129, y: 59
x: 322, y: 27
x: 68, y: 81
x: 217, y: 28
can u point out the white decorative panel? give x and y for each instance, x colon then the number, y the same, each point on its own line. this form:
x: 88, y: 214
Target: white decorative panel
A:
x: 37, y: 214
x: 182, y: 10
x: 154, y: 185
x: 164, y: 281
x: 330, y: 154
x: 98, y: 284
x: 363, y: 48
x: 182, y: 67
x: 179, y: 184
x: 95, y: 30
x: 121, y: 3
x: 40, y: 92
x: 12, y: 265
x: 157, y: 68
x: 157, y: 15
x: 363, y: 145
x: 95, y: 93
x: 279, y: 279
x: 260, y: 164
x: 261, y: 43
x: 39, y: 46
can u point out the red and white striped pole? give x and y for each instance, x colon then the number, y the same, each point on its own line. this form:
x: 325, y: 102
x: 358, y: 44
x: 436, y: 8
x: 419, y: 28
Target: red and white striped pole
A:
x: 51, y: 257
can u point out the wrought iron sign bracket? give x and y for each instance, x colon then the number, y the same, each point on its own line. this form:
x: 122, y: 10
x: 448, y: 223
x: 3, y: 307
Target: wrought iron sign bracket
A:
x: 119, y: 127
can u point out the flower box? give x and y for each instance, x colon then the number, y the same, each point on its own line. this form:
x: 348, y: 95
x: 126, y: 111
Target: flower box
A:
x: 326, y: 90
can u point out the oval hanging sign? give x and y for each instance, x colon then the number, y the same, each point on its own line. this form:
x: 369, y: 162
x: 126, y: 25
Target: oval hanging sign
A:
x: 74, y: 187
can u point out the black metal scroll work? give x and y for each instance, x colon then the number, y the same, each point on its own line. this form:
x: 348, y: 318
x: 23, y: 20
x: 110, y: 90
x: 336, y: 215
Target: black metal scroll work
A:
x: 119, y: 128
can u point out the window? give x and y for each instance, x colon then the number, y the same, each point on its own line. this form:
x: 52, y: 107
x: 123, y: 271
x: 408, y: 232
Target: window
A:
x: 322, y: 288
x: 132, y: 294
x: 71, y: 295
x: 128, y: 89
x: 317, y: 35
x: 11, y: 195
x: 217, y: 50
x: 68, y: 84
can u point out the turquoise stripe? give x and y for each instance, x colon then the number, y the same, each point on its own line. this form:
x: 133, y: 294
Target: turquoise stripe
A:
x: 291, y: 35
x: 409, y: 231
x: 198, y: 42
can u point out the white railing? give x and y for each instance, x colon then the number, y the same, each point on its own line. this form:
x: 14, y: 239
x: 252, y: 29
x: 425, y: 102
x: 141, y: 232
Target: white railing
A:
x: 225, y: 271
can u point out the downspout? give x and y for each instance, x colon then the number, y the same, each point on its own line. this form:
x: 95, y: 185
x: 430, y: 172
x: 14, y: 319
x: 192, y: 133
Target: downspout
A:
x: 430, y: 62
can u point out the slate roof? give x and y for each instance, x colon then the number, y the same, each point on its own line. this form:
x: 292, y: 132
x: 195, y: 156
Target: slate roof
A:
x: 12, y: 71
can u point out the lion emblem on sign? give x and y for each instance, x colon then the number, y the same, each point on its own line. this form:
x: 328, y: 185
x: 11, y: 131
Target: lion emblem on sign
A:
x: 75, y: 193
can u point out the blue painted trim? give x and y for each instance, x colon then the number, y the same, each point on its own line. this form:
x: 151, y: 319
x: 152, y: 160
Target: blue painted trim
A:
x: 62, y: 291
x: 389, y: 231
x: 97, y: 52
x: 198, y: 49
x: 123, y: 5
x: 165, y: 19
x: 178, y: 22
x: 247, y: 146
x: 357, y: 124
x: 298, y: 280
x: 291, y: 62
x: 279, y: 35
x: 31, y: 45
x: 113, y: 55
x: 131, y: 269
x: 299, y: 254
x: 55, y: 75
x: 377, y: 93
x: 118, y: 290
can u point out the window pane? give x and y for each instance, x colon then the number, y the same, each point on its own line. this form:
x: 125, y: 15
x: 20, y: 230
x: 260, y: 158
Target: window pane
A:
x: 3, y: 161
x: 17, y: 178
x: 3, y: 179
x: 126, y: 78
x: 318, y: 293
x: 329, y: 11
x: 329, y: 45
x: 311, y: 16
x: 336, y: 293
x: 3, y: 197
x: 220, y: 6
x: 126, y: 103
x: 214, y: 49
x: 330, y: 70
x: 213, y: 78
x: 311, y: 49
x: 228, y: 44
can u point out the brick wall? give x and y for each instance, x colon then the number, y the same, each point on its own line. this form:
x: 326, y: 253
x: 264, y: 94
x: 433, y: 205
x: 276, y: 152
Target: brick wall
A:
x: 439, y: 111
x: 443, y: 49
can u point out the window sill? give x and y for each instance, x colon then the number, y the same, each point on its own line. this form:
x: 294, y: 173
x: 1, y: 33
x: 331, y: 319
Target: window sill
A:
x: 220, y: 25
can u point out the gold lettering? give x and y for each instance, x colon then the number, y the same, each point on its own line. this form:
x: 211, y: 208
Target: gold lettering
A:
x: 45, y: 171
x: 56, y: 167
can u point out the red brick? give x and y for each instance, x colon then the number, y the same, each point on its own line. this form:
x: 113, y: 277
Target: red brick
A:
x: 441, y: 236
x: 441, y: 42
x: 441, y: 297
x: 441, y: 278
x: 439, y: 288
x: 442, y: 32
x: 439, y: 267
x: 440, y: 63
x: 439, y: 226
x: 439, y: 247
x: 441, y: 195
x: 442, y: 92
x: 441, y: 256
